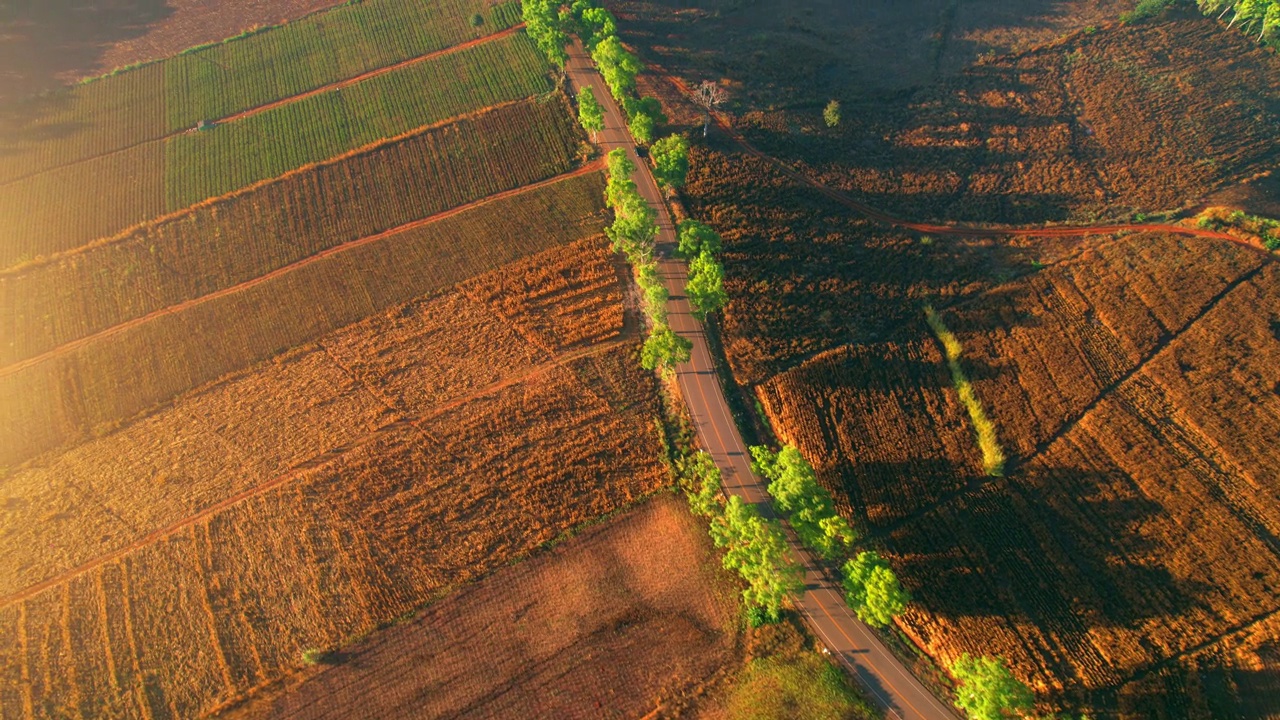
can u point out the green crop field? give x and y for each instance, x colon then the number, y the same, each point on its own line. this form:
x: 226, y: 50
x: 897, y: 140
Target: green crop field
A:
x: 82, y: 391
x: 147, y: 103
x: 119, y: 190
x: 282, y: 222
x: 207, y: 164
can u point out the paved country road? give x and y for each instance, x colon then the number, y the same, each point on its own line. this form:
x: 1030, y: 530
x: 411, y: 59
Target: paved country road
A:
x: 821, y: 604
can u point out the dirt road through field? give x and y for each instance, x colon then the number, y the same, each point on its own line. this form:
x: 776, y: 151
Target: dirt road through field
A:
x: 821, y: 604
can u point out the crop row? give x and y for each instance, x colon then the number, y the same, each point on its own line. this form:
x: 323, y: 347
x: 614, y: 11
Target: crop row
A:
x: 225, y: 605
x: 281, y: 222
x: 149, y: 102
x: 69, y: 395
x: 207, y: 164
x: 117, y: 191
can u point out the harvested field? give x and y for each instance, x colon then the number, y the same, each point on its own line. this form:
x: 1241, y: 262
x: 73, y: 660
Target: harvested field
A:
x: 315, y: 497
x: 1130, y: 381
x: 273, y: 225
x: 201, y: 165
x: 606, y: 625
x: 79, y: 392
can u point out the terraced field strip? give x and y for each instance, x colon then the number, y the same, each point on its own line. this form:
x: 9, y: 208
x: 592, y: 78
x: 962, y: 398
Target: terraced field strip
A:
x: 121, y: 190
x: 284, y: 220
x: 222, y: 79
x: 66, y: 394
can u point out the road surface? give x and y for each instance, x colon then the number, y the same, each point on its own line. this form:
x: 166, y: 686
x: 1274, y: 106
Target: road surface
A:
x: 821, y: 604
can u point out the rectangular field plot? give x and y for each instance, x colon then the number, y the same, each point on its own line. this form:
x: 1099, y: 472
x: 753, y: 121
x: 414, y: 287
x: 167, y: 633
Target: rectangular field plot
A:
x: 549, y: 633
x: 881, y: 425
x: 243, y: 236
x: 67, y: 396
x: 1041, y: 350
x: 262, y: 146
x: 230, y: 77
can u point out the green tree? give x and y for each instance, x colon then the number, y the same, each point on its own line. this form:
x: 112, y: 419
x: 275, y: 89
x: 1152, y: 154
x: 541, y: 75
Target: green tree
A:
x: 653, y: 293
x: 598, y: 24
x: 872, y: 589
x: 988, y: 691
x: 831, y: 113
x: 620, y: 186
x: 701, y: 478
x: 665, y: 349
x: 643, y: 117
x: 696, y: 238
x: 757, y: 549
x: 671, y: 160
x: 618, y: 67
x: 590, y: 113
x: 542, y: 22
x: 705, y: 286
x: 794, y: 487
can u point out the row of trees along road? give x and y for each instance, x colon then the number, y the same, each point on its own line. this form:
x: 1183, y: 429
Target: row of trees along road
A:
x: 754, y: 547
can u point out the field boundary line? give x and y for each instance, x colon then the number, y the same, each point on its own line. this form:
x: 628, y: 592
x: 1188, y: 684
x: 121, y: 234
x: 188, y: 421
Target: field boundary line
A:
x: 279, y: 102
x: 285, y: 269
x: 125, y: 234
x: 404, y: 422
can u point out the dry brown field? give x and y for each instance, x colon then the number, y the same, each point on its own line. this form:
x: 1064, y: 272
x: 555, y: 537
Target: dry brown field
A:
x: 1126, y: 563
x: 192, y: 556
x: 77, y: 392
x: 609, y: 624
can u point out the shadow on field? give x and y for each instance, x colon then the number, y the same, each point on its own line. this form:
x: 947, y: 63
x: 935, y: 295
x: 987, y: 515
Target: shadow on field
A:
x: 978, y: 555
x: 44, y: 41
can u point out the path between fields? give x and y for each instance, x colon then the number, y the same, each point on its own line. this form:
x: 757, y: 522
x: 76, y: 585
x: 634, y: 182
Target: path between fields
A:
x: 250, y: 112
x: 403, y: 422
x: 821, y: 603
x: 327, y: 252
x: 954, y: 229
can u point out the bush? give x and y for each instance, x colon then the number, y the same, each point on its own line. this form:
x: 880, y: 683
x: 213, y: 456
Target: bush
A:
x: 831, y: 113
x: 477, y: 20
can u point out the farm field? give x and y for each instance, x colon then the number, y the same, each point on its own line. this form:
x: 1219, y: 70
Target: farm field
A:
x: 281, y: 222
x: 78, y: 392
x: 1125, y: 564
x: 614, y: 622
x: 324, y: 492
x: 188, y: 168
x: 226, y: 78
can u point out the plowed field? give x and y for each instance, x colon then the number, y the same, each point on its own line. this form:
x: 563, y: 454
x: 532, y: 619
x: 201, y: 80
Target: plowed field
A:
x: 607, y: 625
x: 192, y: 556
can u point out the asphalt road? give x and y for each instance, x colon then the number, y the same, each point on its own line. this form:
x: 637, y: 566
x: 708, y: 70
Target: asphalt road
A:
x: 886, y: 680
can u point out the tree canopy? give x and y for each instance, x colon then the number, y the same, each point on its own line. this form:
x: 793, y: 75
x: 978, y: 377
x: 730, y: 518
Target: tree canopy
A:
x: 590, y: 113
x: 671, y: 160
x: 872, y: 589
x: 988, y: 691
x: 544, y: 25
x: 643, y: 117
x: 794, y: 487
x: 618, y: 67
x: 696, y: 237
x: 705, y: 286
x: 757, y: 549
x: 664, y: 349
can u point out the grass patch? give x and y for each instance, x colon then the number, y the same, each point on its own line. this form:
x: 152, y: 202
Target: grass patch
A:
x: 795, y: 686
x: 992, y: 454
x: 1265, y: 229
